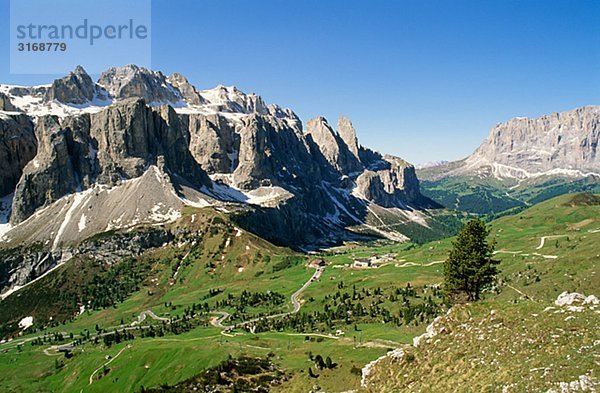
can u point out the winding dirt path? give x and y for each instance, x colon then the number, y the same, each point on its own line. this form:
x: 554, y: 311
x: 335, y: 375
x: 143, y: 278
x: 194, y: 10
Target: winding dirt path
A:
x: 539, y: 247
x: 148, y: 313
x: 218, y: 321
x: 543, y: 240
x: 91, y: 380
x: 314, y: 335
x: 408, y: 264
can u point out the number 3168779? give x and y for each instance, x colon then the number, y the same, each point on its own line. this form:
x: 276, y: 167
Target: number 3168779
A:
x: 42, y: 46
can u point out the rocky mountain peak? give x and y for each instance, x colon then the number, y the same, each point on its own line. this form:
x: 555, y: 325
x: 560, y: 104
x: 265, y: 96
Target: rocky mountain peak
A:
x: 6, y: 104
x: 325, y: 138
x: 76, y: 88
x: 80, y: 71
x: 348, y: 134
x: 230, y: 99
x: 177, y: 78
x: 134, y: 81
x: 332, y: 147
x: 255, y: 155
x: 188, y: 91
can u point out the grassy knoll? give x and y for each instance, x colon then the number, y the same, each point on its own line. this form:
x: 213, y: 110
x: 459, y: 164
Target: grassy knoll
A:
x: 497, y: 346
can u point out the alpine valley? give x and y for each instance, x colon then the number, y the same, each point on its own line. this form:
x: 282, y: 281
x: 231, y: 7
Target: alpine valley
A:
x: 159, y: 237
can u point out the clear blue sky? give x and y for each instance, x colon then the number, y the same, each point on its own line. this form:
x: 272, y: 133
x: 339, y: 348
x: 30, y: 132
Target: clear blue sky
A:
x: 424, y: 80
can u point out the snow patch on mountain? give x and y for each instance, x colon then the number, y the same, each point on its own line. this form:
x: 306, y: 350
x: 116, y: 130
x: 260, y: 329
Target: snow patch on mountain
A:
x: 5, y: 204
x: 268, y: 196
x: 26, y: 323
x: 78, y: 199
x: 158, y: 213
x: 82, y: 222
x: 265, y: 196
x: 34, y: 105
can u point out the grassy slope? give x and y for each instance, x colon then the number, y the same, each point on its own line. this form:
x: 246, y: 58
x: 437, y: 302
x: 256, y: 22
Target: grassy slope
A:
x: 169, y: 359
x: 498, y: 347
x: 520, y: 345
x: 153, y: 361
x: 572, y: 218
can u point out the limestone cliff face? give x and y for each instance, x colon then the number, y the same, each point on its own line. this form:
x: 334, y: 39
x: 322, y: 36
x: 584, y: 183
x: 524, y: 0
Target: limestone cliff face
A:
x: 50, y: 175
x: 272, y: 153
x: 212, y: 142
x: 560, y: 141
x: 332, y: 147
x: 394, y: 186
x: 75, y: 88
x: 129, y: 136
x: 172, y: 144
x: 118, y: 143
x: 125, y: 140
x: 348, y: 135
x: 18, y: 146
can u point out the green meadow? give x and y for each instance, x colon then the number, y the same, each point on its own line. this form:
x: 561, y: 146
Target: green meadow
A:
x: 225, y: 261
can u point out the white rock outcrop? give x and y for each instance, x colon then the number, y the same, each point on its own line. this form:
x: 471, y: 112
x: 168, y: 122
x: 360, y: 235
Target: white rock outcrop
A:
x: 433, y: 329
x: 568, y: 298
x: 397, y: 353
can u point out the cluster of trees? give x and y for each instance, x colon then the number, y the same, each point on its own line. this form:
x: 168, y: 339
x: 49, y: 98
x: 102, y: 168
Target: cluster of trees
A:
x: 246, y: 299
x: 114, y: 283
x: 176, y: 326
x: 212, y: 293
x: 117, y: 337
x: 251, y: 299
x: 242, y: 374
x: 399, y: 306
x: 49, y: 338
x: 287, y: 262
x: 320, y: 364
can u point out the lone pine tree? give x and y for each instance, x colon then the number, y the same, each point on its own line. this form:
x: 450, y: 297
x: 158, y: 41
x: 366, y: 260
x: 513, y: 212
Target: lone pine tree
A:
x: 470, y: 267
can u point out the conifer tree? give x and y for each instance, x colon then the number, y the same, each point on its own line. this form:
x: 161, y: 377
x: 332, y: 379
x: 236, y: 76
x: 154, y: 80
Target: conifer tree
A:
x: 470, y: 267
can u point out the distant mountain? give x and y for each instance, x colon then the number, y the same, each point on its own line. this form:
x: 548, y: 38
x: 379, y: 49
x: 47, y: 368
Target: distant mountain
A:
x: 136, y: 147
x: 431, y: 164
x: 523, y: 161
